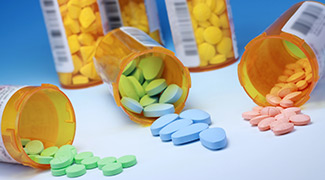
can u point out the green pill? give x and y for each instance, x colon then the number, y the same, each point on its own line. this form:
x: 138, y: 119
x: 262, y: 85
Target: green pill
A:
x: 24, y: 141
x: 102, y: 162
x: 50, y: 151
x: 32, y: 157
x: 62, y: 160
x: 127, y: 161
x: 81, y: 156
x: 90, y: 162
x: 148, y: 100
x: 43, y: 159
x: 152, y: 67
x: 34, y: 147
x: 137, y: 86
x: 126, y: 88
x: 138, y: 75
x: 156, y: 86
x: 59, y: 172
x: 76, y: 170
x: 26, y: 151
x: 129, y: 68
x: 70, y: 148
x: 111, y: 169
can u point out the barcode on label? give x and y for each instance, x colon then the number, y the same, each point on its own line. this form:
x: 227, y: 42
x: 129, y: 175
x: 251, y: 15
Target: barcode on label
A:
x: 307, y: 19
x: 57, y: 37
x: 113, y: 15
x: 185, y: 27
x: 140, y: 36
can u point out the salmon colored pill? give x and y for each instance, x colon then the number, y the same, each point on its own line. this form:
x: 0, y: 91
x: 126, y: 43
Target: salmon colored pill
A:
x: 284, y: 91
x: 300, y: 119
x: 257, y: 108
x: 302, y: 84
x: 265, y: 123
x: 282, y: 128
x: 287, y: 113
x: 286, y: 103
x: 288, y: 72
x: 271, y: 111
x: 282, y: 78
x: 296, y: 77
x: 273, y: 100
x: 293, y: 66
x: 297, y: 110
x: 275, y: 90
x: 294, y: 96
x: 283, y: 120
x: 292, y: 86
x: 280, y: 108
x: 254, y: 121
x: 250, y: 115
x: 279, y: 116
x: 280, y: 85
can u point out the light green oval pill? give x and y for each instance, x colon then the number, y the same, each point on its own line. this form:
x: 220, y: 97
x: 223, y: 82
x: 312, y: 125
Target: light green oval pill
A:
x: 32, y: 157
x: 137, y: 86
x: 65, y: 148
x: 131, y: 105
x: 111, y: 169
x: 138, y: 75
x: 26, y: 151
x: 148, y: 100
x: 91, y: 162
x: 50, y: 151
x: 126, y: 88
x: 24, y: 141
x: 152, y: 67
x: 156, y: 86
x: 62, y: 160
x: 157, y: 110
x: 102, y: 162
x: 59, y: 172
x: 34, y: 147
x: 81, y: 156
x: 43, y: 159
x: 129, y: 68
x: 145, y: 84
x: 76, y: 170
x: 127, y: 161
x: 171, y: 94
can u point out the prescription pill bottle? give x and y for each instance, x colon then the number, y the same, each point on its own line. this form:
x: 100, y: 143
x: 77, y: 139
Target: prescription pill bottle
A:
x: 141, y: 14
x: 123, y: 45
x: 200, y: 32
x: 35, y: 112
x: 297, y: 34
x: 74, y: 27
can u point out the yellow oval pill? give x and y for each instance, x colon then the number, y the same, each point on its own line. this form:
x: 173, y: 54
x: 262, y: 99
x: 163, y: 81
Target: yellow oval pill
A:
x: 204, y: 24
x: 201, y: 12
x: 206, y: 51
x: 212, y: 35
x: 219, y: 58
x: 224, y: 46
x: 214, y: 20
x: 296, y: 77
x: 224, y: 21
x: 199, y: 35
x: 220, y: 7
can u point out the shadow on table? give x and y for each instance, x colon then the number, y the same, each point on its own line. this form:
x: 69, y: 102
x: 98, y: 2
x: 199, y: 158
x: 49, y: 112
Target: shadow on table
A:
x: 16, y: 171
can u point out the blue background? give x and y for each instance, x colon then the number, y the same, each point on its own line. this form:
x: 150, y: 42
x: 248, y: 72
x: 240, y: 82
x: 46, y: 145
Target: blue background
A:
x: 25, y: 53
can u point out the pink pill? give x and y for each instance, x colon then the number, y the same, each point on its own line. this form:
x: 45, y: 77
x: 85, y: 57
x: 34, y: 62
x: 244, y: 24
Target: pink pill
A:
x: 254, y: 121
x: 300, y: 119
x: 283, y: 120
x: 271, y: 111
x: 282, y: 128
x: 279, y: 116
x: 273, y: 100
x: 280, y: 108
x: 274, y: 124
x: 265, y: 123
x: 297, y: 110
x: 288, y: 113
x: 257, y: 108
x: 250, y: 114
x: 286, y: 103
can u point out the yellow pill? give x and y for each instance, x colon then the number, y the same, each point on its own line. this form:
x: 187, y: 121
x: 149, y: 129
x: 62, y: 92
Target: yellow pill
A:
x: 201, y: 12
x: 89, y: 71
x: 226, y: 32
x: 224, y: 21
x: 212, y: 4
x: 203, y: 63
x: 87, y: 53
x: 80, y: 79
x: 77, y: 64
x: 60, y: 2
x: 212, y: 35
x: 293, y: 66
x: 282, y: 79
x: 204, y: 24
x: 86, y: 39
x: 195, y: 2
x: 230, y: 55
x: 302, y: 84
x: 206, y: 51
x: 189, y: 6
x: 309, y: 77
x: 67, y: 32
x: 296, y: 77
x: 87, y: 17
x: 74, y: 3
x: 85, y: 3
x: 220, y: 7
x: 288, y: 72
x: 302, y: 62
x: 72, y: 24
x: 65, y: 78
x: 73, y: 11
x: 194, y: 23
x: 224, y: 46
x: 63, y: 10
x: 214, y: 20
x: 219, y: 58
x: 73, y: 43
x: 199, y: 35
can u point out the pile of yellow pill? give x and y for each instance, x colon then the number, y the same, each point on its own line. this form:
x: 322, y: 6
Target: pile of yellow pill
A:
x: 83, y: 28
x: 211, y: 30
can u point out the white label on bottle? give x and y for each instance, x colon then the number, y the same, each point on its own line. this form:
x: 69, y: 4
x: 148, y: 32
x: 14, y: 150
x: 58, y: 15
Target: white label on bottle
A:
x: 110, y: 14
x: 139, y: 36
x: 308, y: 24
x: 56, y: 33
x: 5, y: 94
x: 182, y: 32
x: 152, y: 14
x: 232, y: 29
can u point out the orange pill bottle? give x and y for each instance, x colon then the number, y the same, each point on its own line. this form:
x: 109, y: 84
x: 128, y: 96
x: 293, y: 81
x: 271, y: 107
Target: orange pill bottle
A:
x: 123, y: 45
x: 34, y: 112
x: 298, y: 33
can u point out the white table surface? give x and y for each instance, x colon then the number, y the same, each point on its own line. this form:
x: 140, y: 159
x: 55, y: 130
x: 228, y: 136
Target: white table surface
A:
x: 106, y: 130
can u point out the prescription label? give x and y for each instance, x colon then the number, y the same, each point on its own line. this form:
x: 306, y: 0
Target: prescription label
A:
x: 308, y: 24
x: 5, y: 94
x: 57, y: 37
x: 110, y: 14
x: 182, y: 32
x: 139, y: 36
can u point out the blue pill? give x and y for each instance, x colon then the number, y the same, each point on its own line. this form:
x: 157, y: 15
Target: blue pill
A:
x: 162, y: 122
x: 166, y: 132
x: 213, y: 138
x: 189, y: 133
x: 197, y: 115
